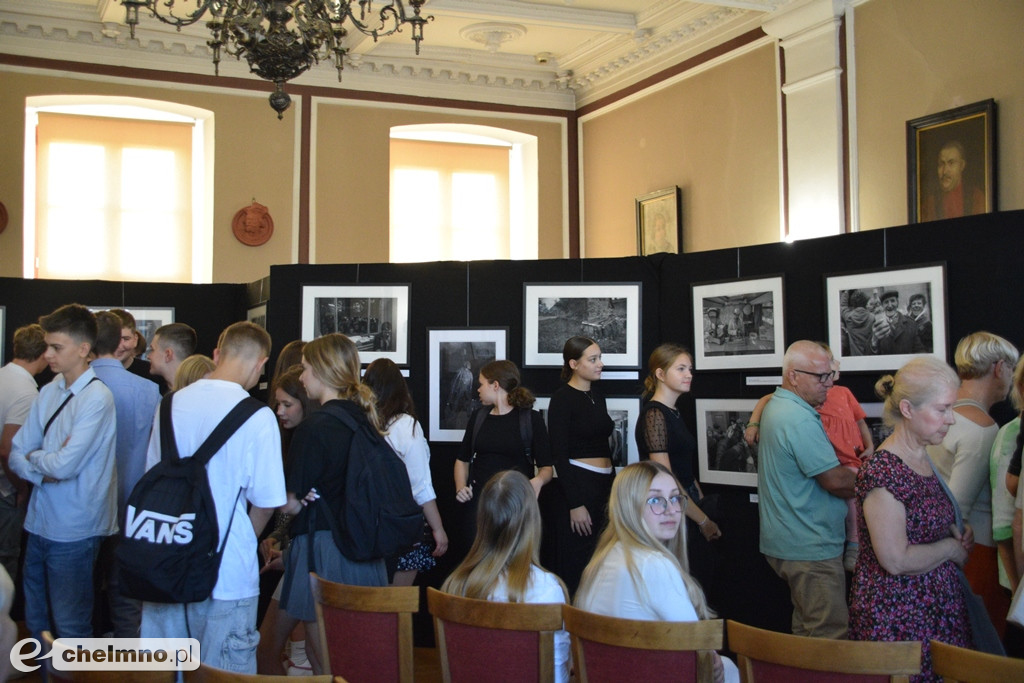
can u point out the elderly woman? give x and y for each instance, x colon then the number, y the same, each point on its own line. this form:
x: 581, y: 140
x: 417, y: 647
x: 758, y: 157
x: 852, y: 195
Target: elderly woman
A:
x: 906, y: 585
x: 985, y: 364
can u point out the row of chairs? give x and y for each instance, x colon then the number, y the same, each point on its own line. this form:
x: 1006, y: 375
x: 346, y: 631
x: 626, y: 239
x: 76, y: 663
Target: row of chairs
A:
x: 366, y: 635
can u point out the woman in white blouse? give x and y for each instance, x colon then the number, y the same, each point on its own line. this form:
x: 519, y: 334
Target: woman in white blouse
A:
x: 639, y: 569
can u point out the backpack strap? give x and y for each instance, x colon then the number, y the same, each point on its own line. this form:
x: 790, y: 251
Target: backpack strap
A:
x: 478, y: 421
x: 526, y: 432
x: 238, y: 416
x: 168, y: 445
x: 61, y: 406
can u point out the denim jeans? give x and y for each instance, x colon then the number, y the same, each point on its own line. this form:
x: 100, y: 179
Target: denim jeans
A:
x: 225, y: 629
x: 58, y: 586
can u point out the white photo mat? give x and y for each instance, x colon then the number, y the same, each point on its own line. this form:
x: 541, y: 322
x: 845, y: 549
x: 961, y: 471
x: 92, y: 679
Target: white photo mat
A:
x: 722, y: 350
x: 729, y: 461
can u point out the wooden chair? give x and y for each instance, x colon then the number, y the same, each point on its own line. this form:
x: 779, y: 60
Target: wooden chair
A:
x: 481, y: 640
x: 101, y: 676
x: 611, y: 649
x: 366, y: 632
x: 767, y: 656
x: 956, y: 664
x: 209, y: 674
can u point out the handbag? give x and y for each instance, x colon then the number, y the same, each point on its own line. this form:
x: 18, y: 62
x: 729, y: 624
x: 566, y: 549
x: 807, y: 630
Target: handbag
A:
x: 986, y: 638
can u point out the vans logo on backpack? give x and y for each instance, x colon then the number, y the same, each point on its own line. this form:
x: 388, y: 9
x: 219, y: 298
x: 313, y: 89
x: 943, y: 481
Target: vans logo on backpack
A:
x: 159, y: 528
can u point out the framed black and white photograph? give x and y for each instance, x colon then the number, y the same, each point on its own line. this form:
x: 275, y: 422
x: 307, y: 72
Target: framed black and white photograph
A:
x: 375, y: 317
x: 455, y: 357
x: 257, y: 315
x: 879, y: 320
x: 873, y: 417
x: 608, y: 313
x: 951, y: 163
x: 724, y: 457
x: 738, y: 324
x: 658, y: 224
x: 148, y: 319
x: 624, y: 411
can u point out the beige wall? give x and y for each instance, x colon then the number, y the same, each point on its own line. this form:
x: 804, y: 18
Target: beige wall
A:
x: 254, y: 157
x: 919, y: 57
x: 352, y: 177
x: 715, y: 135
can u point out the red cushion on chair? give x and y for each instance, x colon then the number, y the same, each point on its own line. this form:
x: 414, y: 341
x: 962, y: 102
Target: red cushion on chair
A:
x: 362, y: 646
x: 484, y: 654
x: 613, y: 664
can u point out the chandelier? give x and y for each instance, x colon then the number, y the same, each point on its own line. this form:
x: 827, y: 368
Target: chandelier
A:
x: 281, y: 39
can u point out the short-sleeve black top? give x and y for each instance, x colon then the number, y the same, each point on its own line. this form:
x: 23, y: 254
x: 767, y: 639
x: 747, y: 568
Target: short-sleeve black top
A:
x: 499, y: 446
x: 660, y: 429
x: 318, y: 457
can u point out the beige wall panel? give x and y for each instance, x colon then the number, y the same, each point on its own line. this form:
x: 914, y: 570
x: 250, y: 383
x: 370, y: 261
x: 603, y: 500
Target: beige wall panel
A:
x: 254, y: 157
x: 352, y: 178
x: 919, y: 57
x: 714, y: 134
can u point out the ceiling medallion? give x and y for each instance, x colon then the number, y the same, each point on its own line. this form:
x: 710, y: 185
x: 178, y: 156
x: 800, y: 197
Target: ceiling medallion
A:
x: 281, y: 39
x: 493, y: 33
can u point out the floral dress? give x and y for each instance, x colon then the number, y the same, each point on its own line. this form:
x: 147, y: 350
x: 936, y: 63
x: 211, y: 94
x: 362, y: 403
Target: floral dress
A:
x: 920, y: 607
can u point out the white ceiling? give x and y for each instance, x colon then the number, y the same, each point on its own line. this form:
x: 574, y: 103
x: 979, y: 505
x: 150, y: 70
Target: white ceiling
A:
x: 562, y: 53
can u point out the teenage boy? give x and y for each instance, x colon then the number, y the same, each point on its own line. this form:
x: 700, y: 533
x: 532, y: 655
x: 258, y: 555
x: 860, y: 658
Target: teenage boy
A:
x: 66, y: 450
x: 246, y: 470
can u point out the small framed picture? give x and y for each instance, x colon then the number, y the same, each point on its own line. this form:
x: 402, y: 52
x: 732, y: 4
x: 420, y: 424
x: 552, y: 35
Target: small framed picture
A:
x: 951, y: 163
x: 455, y: 356
x: 724, y: 457
x: 375, y: 317
x: 659, y: 222
x: 608, y: 313
x: 148, y: 319
x: 738, y: 324
x: 257, y: 315
x: 878, y: 320
x: 624, y: 411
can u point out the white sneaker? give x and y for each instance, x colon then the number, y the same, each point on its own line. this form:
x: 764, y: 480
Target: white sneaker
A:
x: 302, y: 668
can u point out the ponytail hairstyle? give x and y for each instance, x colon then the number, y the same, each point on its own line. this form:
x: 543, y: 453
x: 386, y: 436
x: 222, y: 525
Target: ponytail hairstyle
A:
x: 388, y: 385
x: 573, y: 350
x: 662, y: 359
x: 507, y: 542
x: 917, y: 381
x: 506, y: 374
x: 334, y: 359
x: 626, y: 526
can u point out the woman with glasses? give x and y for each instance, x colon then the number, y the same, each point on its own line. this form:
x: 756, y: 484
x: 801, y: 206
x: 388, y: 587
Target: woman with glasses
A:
x: 639, y: 569
x: 579, y: 426
x: 847, y: 430
x: 662, y: 436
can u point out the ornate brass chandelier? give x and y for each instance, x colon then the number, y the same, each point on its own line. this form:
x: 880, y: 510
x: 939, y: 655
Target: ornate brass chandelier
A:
x: 281, y: 39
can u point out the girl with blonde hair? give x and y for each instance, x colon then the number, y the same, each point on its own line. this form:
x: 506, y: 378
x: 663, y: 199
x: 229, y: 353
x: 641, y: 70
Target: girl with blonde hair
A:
x: 317, y: 463
x: 639, y: 569
x: 192, y: 369
x: 503, y: 564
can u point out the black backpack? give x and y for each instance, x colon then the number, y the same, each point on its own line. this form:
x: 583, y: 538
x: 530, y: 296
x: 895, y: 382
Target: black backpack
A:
x: 170, y: 548
x: 379, y: 516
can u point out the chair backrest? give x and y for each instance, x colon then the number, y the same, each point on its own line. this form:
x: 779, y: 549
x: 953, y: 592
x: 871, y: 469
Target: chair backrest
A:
x: 366, y: 632
x: 481, y: 640
x: 101, y: 676
x: 612, y: 649
x: 766, y: 656
x: 957, y: 664
x: 209, y: 674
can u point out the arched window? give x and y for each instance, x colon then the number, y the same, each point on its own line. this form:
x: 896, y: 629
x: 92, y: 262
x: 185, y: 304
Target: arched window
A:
x: 118, y: 188
x: 462, y: 192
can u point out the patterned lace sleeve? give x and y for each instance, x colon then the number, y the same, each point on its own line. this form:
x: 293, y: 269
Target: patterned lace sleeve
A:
x: 655, y: 431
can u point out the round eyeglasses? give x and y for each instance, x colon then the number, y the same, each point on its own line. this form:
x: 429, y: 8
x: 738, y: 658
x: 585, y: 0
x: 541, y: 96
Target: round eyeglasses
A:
x: 660, y: 505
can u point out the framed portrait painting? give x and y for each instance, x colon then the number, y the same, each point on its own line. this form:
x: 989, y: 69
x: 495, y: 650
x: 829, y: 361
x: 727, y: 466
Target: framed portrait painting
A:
x: 951, y: 163
x: 738, y: 324
x: 375, y: 317
x: 659, y: 222
x: 455, y: 356
x: 879, y: 320
x: 608, y: 313
x: 723, y: 456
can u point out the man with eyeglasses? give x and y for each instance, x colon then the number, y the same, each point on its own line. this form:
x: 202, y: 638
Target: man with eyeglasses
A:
x: 802, y: 490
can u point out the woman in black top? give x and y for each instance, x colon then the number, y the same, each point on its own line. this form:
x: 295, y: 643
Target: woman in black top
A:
x: 317, y: 461
x: 498, y: 443
x: 580, y: 426
x: 662, y: 436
